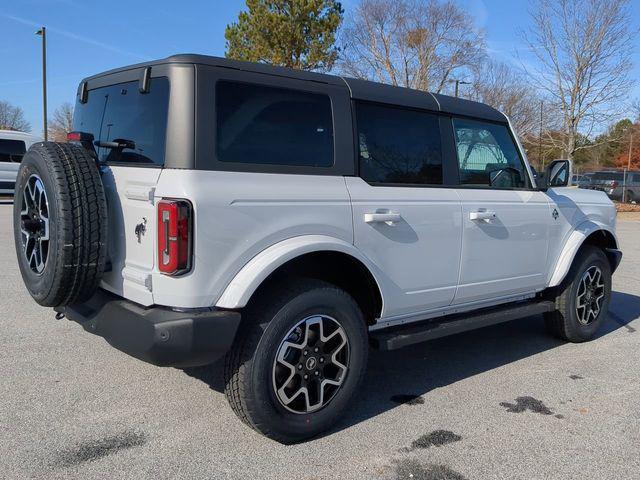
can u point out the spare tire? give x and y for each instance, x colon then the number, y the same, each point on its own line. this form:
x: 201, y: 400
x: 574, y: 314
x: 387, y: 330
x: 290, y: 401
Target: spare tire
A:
x: 60, y: 223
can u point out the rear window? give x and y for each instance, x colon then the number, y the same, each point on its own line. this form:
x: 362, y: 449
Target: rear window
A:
x: 11, y: 150
x: 120, y: 112
x: 257, y: 124
x: 608, y: 176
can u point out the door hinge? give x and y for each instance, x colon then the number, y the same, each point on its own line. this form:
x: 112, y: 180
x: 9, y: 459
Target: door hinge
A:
x: 137, y: 277
x: 140, y: 192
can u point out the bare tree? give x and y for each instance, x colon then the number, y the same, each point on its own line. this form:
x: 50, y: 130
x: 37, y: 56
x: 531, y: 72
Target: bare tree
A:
x: 61, y: 123
x: 508, y: 90
x: 12, y: 118
x: 420, y: 44
x: 583, y: 49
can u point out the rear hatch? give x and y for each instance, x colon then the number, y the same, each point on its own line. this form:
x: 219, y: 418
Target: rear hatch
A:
x: 129, y: 130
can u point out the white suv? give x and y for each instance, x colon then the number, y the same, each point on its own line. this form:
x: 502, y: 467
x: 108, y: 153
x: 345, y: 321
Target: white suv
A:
x: 13, y: 146
x: 290, y: 220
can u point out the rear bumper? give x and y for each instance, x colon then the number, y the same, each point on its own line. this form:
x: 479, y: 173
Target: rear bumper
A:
x: 157, y: 335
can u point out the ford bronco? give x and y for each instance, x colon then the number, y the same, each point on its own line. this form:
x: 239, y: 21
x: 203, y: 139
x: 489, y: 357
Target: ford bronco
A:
x: 288, y: 221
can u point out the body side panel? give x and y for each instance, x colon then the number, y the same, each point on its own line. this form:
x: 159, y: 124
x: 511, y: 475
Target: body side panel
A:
x: 238, y: 215
x: 581, y: 212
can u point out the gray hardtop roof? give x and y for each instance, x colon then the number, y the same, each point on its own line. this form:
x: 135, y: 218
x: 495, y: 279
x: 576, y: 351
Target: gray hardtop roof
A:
x: 359, y: 89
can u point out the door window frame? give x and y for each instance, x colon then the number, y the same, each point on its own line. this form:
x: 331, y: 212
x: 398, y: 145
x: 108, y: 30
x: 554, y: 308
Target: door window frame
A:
x: 529, y: 181
x: 449, y: 168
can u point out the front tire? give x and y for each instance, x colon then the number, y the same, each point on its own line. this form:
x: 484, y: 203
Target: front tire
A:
x: 583, y: 298
x: 298, y: 360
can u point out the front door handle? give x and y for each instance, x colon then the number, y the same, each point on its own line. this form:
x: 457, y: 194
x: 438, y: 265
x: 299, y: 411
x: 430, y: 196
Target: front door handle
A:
x: 388, y: 218
x: 482, y: 215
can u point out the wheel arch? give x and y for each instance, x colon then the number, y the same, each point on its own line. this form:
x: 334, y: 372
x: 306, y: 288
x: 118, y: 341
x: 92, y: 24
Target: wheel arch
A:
x: 311, y: 256
x: 587, y: 233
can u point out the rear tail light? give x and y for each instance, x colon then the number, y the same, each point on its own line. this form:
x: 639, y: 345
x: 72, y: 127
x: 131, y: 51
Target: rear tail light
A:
x: 174, y: 236
x: 614, y: 184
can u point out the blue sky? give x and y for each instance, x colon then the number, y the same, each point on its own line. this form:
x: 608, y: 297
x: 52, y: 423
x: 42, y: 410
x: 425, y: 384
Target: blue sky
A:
x: 87, y: 36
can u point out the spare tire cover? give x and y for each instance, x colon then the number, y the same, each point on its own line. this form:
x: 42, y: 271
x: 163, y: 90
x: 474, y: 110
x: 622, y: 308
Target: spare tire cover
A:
x: 60, y: 223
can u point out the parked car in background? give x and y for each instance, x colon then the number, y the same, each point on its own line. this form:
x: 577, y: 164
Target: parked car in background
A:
x: 13, y: 146
x: 613, y: 183
x: 581, y: 181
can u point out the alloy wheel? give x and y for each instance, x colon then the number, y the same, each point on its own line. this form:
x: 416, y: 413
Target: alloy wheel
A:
x: 34, y: 224
x: 311, y: 364
x: 591, y: 292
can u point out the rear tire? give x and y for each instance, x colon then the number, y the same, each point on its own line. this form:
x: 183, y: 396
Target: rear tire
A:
x: 582, y: 299
x: 59, y: 223
x: 269, y: 350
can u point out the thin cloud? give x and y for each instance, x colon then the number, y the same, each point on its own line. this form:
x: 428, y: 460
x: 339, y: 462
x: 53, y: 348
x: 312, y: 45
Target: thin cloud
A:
x: 76, y: 37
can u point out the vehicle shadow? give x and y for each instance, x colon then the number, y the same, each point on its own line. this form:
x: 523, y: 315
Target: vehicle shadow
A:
x: 418, y: 369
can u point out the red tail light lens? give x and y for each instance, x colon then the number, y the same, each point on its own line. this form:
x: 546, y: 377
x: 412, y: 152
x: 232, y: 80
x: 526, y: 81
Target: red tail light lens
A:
x: 614, y: 184
x: 174, y: 236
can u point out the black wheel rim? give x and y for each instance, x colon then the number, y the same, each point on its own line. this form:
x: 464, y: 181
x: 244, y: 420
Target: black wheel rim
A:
x: 590, y: 296
x: 34, y: 224
x: 311, y: 364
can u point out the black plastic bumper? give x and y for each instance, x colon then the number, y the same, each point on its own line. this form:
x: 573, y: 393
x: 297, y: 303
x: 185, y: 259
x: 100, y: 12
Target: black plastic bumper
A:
x: 615, y: 257
x: 157, y: 335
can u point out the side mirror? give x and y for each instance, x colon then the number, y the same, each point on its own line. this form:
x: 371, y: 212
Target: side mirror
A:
x: 557, y: 174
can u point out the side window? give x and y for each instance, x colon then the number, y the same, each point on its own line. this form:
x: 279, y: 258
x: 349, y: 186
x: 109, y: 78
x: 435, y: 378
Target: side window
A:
x: 273, y: 126
x: 11, y: 150
x: 488, y: 156
x: 398, y: 146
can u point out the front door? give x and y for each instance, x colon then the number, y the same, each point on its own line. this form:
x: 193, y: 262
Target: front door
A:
x: 404, y: 219
x: 506, y: 222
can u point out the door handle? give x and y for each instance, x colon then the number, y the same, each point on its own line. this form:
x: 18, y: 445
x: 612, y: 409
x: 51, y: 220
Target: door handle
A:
x: 388, y: 218
x: 482, y: 215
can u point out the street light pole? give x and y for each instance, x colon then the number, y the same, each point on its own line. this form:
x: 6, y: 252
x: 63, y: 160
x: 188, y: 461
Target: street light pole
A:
x: 43, y: 33
x: 626, y: 170
x: 540, y: 159
x: 458, y: 83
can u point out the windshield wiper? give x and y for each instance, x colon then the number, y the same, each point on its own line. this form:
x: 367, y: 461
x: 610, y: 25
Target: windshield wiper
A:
x: 117, y: 143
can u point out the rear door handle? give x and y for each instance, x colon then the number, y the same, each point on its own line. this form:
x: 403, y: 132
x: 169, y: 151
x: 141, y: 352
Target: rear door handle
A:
x: 482, y: 215
x: 388, y: 218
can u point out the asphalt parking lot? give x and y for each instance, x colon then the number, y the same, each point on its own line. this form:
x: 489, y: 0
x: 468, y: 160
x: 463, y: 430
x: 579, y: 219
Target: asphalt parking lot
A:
x: 501, y: 402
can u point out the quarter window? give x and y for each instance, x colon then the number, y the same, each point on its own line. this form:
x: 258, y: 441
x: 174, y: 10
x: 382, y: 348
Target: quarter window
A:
x: 273, y: 126
x: 398, y: 146
x: 11, y: 150
x: 488, y: 156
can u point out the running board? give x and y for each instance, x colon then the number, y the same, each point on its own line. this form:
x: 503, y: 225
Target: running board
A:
x: 398, y: 337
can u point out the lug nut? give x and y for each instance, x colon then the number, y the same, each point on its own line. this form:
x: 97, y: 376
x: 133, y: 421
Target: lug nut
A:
x: 305, y: 353
x: 321, y: 360
x: 317, y: 373
x: 316, y: 350
x: 306, y: 377
x: 300, y: 367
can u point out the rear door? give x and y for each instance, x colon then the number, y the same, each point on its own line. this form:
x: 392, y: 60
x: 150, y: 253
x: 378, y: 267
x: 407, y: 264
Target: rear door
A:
x: 505, y: 221
x: 405, y: 219
x: 119, y: 114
